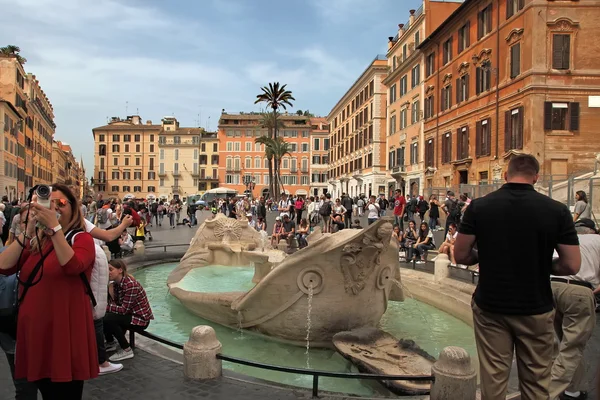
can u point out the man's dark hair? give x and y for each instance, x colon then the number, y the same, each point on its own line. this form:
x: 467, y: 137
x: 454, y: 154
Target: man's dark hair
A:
x: 450, y: 193
x: 523, y: 165
x: 328, y: 195
x: 399, y: 191
x: 5, y: 198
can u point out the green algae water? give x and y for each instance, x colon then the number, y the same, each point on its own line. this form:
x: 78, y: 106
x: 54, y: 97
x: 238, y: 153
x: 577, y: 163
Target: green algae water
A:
x: 429, y: 327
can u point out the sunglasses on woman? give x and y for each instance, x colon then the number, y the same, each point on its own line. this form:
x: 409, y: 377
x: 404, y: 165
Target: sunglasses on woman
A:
x: 61, y: 203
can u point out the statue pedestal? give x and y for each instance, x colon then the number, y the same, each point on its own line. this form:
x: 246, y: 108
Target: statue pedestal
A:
x: 455, y: 377
x: 441, y: 270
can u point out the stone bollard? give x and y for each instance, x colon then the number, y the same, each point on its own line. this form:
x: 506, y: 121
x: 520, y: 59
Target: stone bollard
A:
x: 455, y: 377
x: 441, y: 269
x: 282, y: 245
x: 138, y: 248
x: 200, y: 354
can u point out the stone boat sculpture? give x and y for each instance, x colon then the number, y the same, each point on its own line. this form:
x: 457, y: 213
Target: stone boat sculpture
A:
x: 347, y: 276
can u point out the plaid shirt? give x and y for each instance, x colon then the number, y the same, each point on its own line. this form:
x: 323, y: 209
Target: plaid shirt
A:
x: 130, y: 299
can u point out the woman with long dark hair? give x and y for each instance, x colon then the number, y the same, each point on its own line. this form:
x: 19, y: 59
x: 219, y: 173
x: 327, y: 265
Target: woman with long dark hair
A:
x: 434, y: 211
x: 128, y: 309
x: 56, y: 343
x: 424, y: 242
x: 582, y: 207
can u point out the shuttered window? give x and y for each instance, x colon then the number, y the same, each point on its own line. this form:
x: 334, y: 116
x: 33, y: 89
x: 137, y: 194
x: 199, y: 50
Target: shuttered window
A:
x: 513, y: 7
x: 484, y: 22
x: 462, y: 143
x: 429, y: 153
x: 464, y: 39
x: 462, y: 88
x: 447, y: 148
x: 561, y: 51
x: 513, y: 129
x: 515, y: 60
x: 483, y: 138
x: 483, y: 78
x: 561, y: 116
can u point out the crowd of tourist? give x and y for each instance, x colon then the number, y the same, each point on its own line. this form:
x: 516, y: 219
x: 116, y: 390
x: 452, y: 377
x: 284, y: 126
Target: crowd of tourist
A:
x: 61, y: 305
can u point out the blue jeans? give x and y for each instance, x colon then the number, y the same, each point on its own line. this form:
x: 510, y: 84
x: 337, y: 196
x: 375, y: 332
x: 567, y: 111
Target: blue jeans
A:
x: 398, y: 220
x: 432, y: 222
x: 421, y: 249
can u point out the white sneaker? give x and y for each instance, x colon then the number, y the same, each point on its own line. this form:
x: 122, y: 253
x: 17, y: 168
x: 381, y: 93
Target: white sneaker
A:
x: 121, y: 355
x: 112, y: 368
x: 111, y: 346
x: 420, y: 262
x: 452, y: 265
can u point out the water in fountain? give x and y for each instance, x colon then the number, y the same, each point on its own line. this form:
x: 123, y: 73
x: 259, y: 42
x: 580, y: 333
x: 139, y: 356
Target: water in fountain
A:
x: 404, y: 288
x: 264, y: 239
x: 240, y: 329
x: 308, y: 324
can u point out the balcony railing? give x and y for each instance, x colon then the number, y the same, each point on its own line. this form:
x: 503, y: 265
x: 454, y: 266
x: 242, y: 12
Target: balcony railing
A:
x: 232, y: 169
x: 162, y: 173
x: 399, y: 169
x: 293, y: 170
x: 177, y: 173
x: 175, y: 188
x: 209, y: 178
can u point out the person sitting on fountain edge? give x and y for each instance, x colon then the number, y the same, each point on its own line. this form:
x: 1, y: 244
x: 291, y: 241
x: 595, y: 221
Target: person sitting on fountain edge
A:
x: 278, y: 231
x: 127, y: 309
x: 289, y: 227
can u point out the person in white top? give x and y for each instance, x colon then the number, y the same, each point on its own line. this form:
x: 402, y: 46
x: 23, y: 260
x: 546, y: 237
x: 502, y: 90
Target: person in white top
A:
x: 372, y: 210
x: 575, y: 317
x: 448, y: 246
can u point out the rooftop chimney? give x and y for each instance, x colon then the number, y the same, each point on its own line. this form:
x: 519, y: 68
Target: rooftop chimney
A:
x: 149, y: 122
x: 412, y: 16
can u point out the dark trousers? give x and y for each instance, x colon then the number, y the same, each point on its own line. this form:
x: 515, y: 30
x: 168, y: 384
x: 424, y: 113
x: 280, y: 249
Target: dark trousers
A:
x: 298, y: 217
x: 23, y: 390
x: 115, y: 326
x: 60, y: 390
x: 99, y: 328
x: 114, y: 247
x: 348, y: 219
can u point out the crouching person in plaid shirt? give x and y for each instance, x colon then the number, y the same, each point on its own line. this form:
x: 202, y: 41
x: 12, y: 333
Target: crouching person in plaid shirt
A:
x: 127, y: 309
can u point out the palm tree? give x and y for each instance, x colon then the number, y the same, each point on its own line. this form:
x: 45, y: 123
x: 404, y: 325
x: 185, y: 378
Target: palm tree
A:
x: 276, y: 97
x: 13, y: 50
x: 275, y: 150
x: 269, y: 121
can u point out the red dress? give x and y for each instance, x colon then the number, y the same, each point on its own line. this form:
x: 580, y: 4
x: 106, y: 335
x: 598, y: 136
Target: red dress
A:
x: 55, y: 331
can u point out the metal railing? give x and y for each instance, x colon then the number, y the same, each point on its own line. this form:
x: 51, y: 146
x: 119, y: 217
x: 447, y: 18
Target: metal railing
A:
x: 164, y: 246
x: 291, y: 370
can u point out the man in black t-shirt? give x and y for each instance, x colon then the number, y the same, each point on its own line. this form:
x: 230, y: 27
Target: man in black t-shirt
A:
x: 290, y: 228
x: 512, y: 304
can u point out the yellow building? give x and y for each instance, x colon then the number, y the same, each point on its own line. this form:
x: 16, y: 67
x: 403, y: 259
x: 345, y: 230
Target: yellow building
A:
x: 209, y: 161
x: 179, y: 160
x: 358, y: 135
x: 319, y: 156
x: 59, y: 163
x: 125, y: 158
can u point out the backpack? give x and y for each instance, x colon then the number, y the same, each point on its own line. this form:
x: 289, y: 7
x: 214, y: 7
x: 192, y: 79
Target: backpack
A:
x: 102, y: 216
x: 325, y: 209
x: 9, y: 294
x: 160, y: 208
x: 96, y: 286
x: 299, y: 204
x: 454, y: 211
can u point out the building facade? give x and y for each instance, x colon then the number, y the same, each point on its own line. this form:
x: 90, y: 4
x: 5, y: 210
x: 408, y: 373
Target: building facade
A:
x: 242, y: 162
x: 358, y: 135
x: 405, y: 140
x: 209, y: 161
x: 39, y: 134
x: 59, y: 163
x: 503, y: 77
x: 188, y: 160
x: 12, y: 90
x: 319, y: 156
x: 125, y: 158
x: 9, y: 121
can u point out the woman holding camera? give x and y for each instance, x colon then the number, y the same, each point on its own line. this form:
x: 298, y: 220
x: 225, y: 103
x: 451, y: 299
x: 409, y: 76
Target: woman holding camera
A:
x: 56, y: 343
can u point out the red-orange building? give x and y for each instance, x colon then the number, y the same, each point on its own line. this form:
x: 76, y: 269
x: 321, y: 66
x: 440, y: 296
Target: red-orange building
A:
x: 509, y: 76
x: 242, y: 162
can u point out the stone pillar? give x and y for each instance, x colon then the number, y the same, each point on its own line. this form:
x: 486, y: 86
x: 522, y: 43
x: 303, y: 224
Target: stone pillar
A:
x: 139, y: 248
x: 441, y: 269
x: 200, y: 354
x: 455, y: 377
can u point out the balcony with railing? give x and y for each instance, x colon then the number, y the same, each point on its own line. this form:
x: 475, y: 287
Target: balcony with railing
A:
x: 177, y: 173
x: 170, y: 141
x: 162, y: 173
x: 398, y: 170
x: 175, y: 188
x: 232, y: 169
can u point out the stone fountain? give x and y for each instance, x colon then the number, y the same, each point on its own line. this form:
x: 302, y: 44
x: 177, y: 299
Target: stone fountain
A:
x: 351, y: 276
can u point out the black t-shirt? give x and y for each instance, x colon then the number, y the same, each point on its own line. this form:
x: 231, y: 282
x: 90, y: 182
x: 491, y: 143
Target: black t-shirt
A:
x: 517, y: 230
x: 231, y: 209
x: 289, y: 225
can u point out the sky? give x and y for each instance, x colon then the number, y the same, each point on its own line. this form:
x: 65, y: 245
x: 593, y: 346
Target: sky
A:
x: 97, y: 59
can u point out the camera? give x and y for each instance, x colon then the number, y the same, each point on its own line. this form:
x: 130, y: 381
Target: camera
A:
x: 43, y: 193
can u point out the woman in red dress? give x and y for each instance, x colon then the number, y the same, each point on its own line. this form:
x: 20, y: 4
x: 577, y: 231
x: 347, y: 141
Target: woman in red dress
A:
x: 56, y: 342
